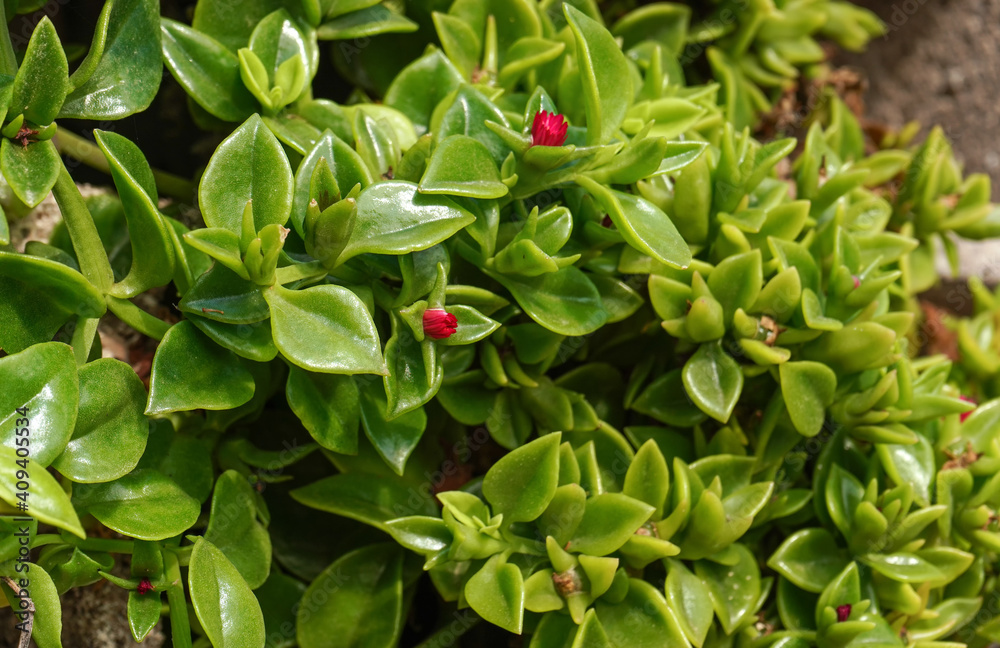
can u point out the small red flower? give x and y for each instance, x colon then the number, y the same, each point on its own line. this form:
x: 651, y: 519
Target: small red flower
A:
x: 857, y: 281
x: 439, y: 323
x: 966, y: 415
x: 145, y: 587
x: 548, y: 129
x: 843, y: 612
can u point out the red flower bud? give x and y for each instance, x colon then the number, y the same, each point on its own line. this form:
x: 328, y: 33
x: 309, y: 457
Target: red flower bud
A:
x: 843, y: 612
x: 145, y: 587
x: 966, y: 415
x: 857, y: 281
x: 439, y: 323
x: 548, y: 129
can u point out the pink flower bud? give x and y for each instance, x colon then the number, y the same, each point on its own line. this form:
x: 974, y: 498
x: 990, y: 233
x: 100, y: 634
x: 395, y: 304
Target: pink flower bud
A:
x: 966, y: 415
x: 439, y: 323
x: 548, y: 129
x: 843, y: 612
x: 144, y: 587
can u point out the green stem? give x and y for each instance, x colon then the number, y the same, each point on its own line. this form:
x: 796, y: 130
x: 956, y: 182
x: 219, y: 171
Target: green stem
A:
x: 82, y: 149
x: 8, y: 61
x: 83, y: 338
x: 90, y: 252
x: 447, y: 634
x: 180, y: 626
x: 137, y: 318
x: 90, y: 544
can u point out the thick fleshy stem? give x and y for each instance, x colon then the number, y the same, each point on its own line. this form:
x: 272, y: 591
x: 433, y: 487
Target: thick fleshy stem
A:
x: 87, y: 243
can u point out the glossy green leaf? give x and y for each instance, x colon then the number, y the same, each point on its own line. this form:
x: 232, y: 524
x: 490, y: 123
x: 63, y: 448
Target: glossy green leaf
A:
x: 365, y: 583
x: 223, y: 296
x: 128, y: 72
x: 328, y: 406
x: 903, y: 567
x: 152, y: 248
x: 808, y: 389
x: 396, y: 438
x: 609, y: 520
x: 42, y: 80
x: 394, y: 218
x: 46, y: 629
x: 41, y: 379
x: 421, y: 86
x: 462, y: 166
x: 191, y: 372
x: 46, y: 500
x: 642, y: 618
x: 144, y: 504
x: 226, y: 607
x: 713, y: 380
x: 207, y: 70
x: 690, y: 601
x: 843, y: 493
x: 496, y: 593
x: 564, y: 302
x: 734, y: 588
x: 522, y: 483
x: 367, y: 498
x: 31, y: 170
x: 607, y: 83
x: 233, y: 528
x: 414, y: 374
x: 111, y: 429
x: 365, y: 23
x: 809, y: 558
x: 326, y: 329
x: 248, y: 165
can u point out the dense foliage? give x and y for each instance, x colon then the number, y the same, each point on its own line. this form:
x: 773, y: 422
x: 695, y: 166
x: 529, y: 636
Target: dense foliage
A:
x: 531, y: 327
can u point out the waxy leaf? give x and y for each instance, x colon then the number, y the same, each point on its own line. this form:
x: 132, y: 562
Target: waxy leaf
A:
x: 371, y: 499
x: 689, y: 598
x: 111, y: 429
x: 47, y: 626
x: 249, y: 165
x: 47, y: 501
x: 522, y: 483
x: 192, y: 372
x: 41, y: 379
x: 609, y: 520
x: 564, y: 302
x: 42, y: 80
x: 234, y: 529
x: 462, y: 166
x: 642, y: 618
x: 808, y: 389
x: 326, y: 329
x: 420, y: 87
x: 394, y: 438
x: 394, y: 218
x: 496, y: 593
x: 733, y: 588
x: 143, y: 504
x: 809, y: 558
x: 128, y: 72
x: 222, y: 600
x: 328, y: 406
x: 207, y: 70
x: 713, y: 380
x: 366, y: 583
x: 607, y: 83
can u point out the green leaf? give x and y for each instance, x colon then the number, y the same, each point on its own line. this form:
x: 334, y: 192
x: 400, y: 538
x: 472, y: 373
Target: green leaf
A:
x: 326, y: 329
x: 910, y: 464
x: 604, y: 71
x: 347, y: 167
x: 226, y: 607
x: 328, y: 406
x: 734, y: 588
x: 609, y: 520
x: 903, y: 567
x: 414, y: 374
x: 248, y: 165
x: 47, y: 502
x: 736, y: 282
x: 642, y: 619
x: 42, y: 80
x: 690, y: 601
x: 251, y: 341
x: 224, y: 296
x: 394, y: 218
x: 808, y: 389
x: 713, y: 380
x: 648, y: 478
x: 641, y: 223
x: 111, y: 429
x: 31, y: 171
x: 128, y: 73
x: 394, y: 439
x: 496, y: 593
x: 809, y: 558
x: 191, y: 372
x: 472, y: 327
x: 207, y: 70
x: 41, y: 379
x: 152, y: 246
x: 521, y: 484
x: 565, y: 302
x: 47, y: 627
x: 366, y: 583
x: 144, y: 504
x: 421, y: 86
x: 234, y: 529
x: 367, y: 498
x: 843, y: 493
x: 365, y: 23
x: 462, y: 166
x: 143, y: 612
x: 666, y: 401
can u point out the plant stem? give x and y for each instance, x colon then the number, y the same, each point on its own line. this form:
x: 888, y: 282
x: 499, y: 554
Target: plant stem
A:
x: 137, y: 318
x: 83, y: 338
x: 90, y: 252
x: 82, y: 149
x: 446, y: 635
x: 180, y: 626
x: 90, y: 544
x: 8, y: 61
